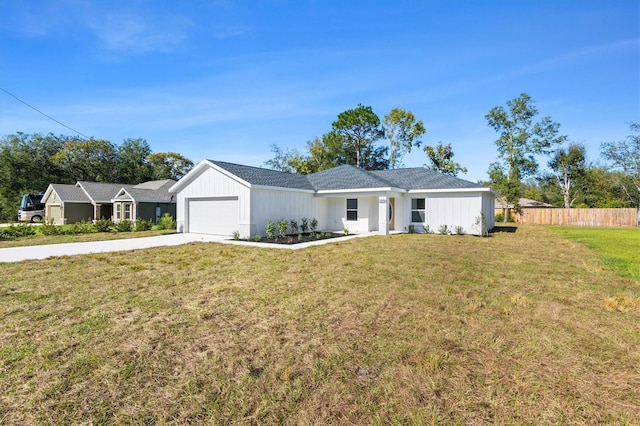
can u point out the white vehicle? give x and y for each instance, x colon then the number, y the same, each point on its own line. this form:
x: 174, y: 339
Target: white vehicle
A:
x: 31, y: 208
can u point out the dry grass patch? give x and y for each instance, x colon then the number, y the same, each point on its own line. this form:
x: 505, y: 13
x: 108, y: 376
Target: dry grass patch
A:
x: 396, y: 329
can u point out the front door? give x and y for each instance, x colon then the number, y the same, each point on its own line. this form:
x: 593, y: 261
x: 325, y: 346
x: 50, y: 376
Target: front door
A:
x: 392, y: 219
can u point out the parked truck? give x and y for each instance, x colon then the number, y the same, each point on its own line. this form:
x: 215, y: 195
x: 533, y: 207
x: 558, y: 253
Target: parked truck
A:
x: 31, y: 208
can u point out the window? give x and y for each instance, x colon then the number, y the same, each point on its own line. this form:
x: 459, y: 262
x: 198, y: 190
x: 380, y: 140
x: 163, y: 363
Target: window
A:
x: 417, y: 210
x: 127, y: 211
x: 118, y: 210
x: 352, y: 209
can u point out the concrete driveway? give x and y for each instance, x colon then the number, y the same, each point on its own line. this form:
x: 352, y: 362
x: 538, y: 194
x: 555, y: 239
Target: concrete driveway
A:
x: 17, y: 254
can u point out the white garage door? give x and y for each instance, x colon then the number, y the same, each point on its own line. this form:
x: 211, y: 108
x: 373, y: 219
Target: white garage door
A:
x: 216, y: 216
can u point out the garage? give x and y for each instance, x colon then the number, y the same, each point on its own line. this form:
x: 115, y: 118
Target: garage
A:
x: 215, y: 216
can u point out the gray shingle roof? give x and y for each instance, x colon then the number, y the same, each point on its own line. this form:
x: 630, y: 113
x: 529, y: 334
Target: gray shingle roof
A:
x: 348, y: 177
x: 70, y: 193
x: 154, y: 191
x: 266, y: 177
x: 422, y: 178
x: 102, y: 192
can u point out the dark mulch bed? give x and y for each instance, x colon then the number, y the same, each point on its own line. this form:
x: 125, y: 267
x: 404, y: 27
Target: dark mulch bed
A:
x: 291, y: 239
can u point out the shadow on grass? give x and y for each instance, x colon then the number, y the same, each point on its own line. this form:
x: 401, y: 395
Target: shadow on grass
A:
x: 504, y: 228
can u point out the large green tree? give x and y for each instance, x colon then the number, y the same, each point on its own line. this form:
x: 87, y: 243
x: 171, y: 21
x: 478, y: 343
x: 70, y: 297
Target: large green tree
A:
x: 624, y: 157
x: 359, y: 129
x: 26, y: 165
x: 520, y: 140
x: 403, y: 132
x: 569, y: 167
x: 169, y: 165
x: 133, y: 162
x: 94, y: 160
x: 441, y: 159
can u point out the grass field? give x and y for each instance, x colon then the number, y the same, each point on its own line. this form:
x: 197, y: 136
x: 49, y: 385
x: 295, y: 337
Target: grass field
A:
x: 619, y: 248
x: 61, y: 239
x: 519, y: 328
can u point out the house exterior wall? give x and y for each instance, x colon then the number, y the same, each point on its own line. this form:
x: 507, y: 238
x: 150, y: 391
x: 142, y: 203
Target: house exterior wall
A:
x: 336, y: 214
x: 147, y: 211
x: 274, y: 205
x: 451, y: 209
x: 77, y: 212
x: 53, y: 212
x: 212, y: 183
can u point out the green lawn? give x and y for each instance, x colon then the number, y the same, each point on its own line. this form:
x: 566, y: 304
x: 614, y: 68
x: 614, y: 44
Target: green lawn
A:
x: 619, y: 248
x: 524, y: 327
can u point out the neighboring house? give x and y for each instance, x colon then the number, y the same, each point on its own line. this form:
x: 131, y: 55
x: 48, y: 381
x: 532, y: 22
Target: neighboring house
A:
x: 149, y: 200
x: 219, y: 198
x: 523, y: 203
x: 95, y: 200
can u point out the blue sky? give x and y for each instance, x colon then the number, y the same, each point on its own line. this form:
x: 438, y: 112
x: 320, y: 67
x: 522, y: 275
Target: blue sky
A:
x: 226, y: 79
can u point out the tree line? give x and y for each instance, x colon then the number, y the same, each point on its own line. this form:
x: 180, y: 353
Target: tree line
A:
x: 570, y: 180
x: 358, y: 137
x: 30, y: 162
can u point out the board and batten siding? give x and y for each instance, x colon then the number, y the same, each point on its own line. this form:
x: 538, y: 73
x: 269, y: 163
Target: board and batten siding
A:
x: 274, y: 205
x: 452, y: 209
x: 211, y: 184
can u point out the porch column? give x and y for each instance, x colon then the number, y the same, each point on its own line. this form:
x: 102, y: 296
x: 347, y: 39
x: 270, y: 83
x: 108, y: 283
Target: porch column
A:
x: 383, y: 215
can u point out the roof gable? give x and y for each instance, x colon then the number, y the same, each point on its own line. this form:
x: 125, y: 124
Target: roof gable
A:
x: 266, y: 177
x: 67, y: 193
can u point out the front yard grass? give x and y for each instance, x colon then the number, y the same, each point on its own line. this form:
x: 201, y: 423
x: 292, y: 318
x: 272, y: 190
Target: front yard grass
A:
x: 519, y: 328
x: 619, y: 248
x: 39, y: 239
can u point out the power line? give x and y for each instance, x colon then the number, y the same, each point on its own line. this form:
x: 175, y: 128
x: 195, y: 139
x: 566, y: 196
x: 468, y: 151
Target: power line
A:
x: 46, y: 115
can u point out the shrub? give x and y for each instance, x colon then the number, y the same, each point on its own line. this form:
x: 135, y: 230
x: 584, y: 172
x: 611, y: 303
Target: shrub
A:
x: 426, y: 229
x: 48, y: 228
x: 257, y: 238
x: 143, y: 225
x: 500, y: 217
x: 481, y: 225
x: 345, y: 231
x: 304, y: 225
x: 459, y: 230
x: 17, y: 231
x: 236, y: 235
x: 282, y: 227
x: 313, y: 225
x: 124, y: 226
x: 412, y: 229
x: 443, y: 229
x: 166, y: 222
x: 270, y: 230
x: 82, y: 227
x: 103, y: 225
x: 294, y: 226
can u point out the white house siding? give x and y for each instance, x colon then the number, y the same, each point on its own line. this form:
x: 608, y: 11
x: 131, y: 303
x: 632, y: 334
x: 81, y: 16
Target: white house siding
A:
x: 211, y: 184
x: 274, y: 205
x: 489, y: 209
x: 336, y: 208
x: 451, y: 209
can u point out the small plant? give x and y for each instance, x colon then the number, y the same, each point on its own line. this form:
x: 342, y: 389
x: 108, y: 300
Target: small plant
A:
x: 49, y: 228
x: 270, y: 230
x: 312, y: 234
x: 481, y: 225
x: 412, y: 229
x: 345, y: 231
x: 443, y: 230
x: 290, y: 240
x: 426, y: 229
x: 304, y: 225
x: 124, y: 226
x: 318, y: 235
x: 294, y: 226
x: 142, y: 225
x: 282, y: 227
x: 166, y: 222
x: 299, y: 237
x: 459, y: 230
x: 257, y: 238
x: 103, y: 225
x: 313, y: 225
x: 236, y: 235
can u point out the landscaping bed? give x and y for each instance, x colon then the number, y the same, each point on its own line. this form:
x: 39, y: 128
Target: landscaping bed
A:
x: 291, y: 239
